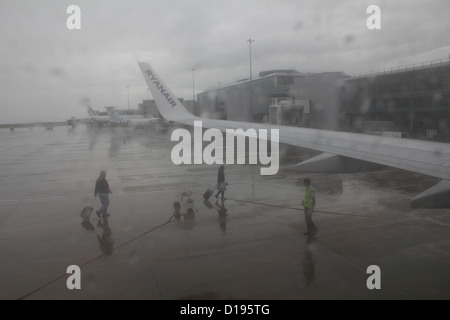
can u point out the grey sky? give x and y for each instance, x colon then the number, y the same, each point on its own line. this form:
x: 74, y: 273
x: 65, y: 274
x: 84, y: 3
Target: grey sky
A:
x: 47, y: 71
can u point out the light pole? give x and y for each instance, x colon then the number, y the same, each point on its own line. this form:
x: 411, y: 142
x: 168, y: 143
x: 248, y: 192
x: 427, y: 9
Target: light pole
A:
x: 128, y: 90
x: 193, y: 84
x: 250, y: 114
x: 250, y: 41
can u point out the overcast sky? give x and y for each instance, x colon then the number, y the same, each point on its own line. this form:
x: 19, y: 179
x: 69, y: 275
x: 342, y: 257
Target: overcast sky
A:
x: 48, y: 72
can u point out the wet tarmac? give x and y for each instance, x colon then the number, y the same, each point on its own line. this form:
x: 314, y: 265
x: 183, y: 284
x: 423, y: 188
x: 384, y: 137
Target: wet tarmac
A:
x: 250, y: 247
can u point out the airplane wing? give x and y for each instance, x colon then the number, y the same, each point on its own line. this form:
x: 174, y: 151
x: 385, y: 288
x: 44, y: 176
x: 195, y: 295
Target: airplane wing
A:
x: 425, y: 157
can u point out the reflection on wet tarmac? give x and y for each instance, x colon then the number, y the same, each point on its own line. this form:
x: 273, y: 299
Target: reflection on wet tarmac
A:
x: 332, y: 186
x: 189, y: 219
x: 46, y: 178
x: 184, y: 208
x: 309, y: 268
x: 93, y: 136
x: 118, y: 137
x: 219, y: 205
x: 404, y: 181
x: 222, y: 211
x: 105, y: 240
x: 86, y: 224
x: 119, y: 140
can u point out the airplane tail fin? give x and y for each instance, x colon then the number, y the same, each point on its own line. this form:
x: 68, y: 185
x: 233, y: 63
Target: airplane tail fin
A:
x: 114, y: 115
x: 91, y: 112
x: 168, y: 105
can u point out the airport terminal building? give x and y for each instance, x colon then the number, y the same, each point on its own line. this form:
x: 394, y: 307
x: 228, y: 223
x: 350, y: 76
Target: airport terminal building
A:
x: 409, y: 101
x: 416, y: 100
x: 285, y: 97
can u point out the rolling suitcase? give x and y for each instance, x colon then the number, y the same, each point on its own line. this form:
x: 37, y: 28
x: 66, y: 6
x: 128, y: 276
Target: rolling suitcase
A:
x: 87, y: 210
x: 208, y: 194
x: 86, y: 213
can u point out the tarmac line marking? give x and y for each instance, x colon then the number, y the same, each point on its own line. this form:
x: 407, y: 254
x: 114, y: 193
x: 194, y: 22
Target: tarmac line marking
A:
x: 94, y: 259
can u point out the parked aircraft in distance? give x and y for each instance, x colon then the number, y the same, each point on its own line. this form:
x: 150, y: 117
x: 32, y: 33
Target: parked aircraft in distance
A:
x: 136, y: 121
x: 97, y: 120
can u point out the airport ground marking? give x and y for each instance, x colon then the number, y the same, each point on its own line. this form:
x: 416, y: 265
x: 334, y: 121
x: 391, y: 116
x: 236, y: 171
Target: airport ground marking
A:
x: 374, y: 278
x: 92, y: 260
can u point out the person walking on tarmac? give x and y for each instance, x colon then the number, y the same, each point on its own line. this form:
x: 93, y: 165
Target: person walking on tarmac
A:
x: 102, y: 189
x: 221, y: 184
x: 309, y: 203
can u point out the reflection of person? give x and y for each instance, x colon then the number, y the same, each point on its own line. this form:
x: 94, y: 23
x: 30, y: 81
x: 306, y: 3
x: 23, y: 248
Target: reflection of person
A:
x: 87, y: 225
x: 221, y: 184
x: 188, y: 216
x: 105, y: 241
x: 222, y: 211
x: 102, y: 189
x: 177, y: 207
x: 308, y: 203
x: 189, y: 219
x: 308, y: 262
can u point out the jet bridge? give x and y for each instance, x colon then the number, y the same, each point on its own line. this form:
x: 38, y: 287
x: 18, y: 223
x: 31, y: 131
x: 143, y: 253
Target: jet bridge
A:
x: 290, y: 112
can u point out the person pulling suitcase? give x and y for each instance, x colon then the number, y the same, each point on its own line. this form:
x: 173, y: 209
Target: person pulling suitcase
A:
x: 103, y: 191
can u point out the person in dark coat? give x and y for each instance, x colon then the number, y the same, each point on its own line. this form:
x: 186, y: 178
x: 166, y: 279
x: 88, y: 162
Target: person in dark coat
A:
x: 221, y: 184
x: 103, y: 191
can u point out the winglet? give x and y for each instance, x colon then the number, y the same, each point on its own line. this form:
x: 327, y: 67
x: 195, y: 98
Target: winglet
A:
x: 168, y: 105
